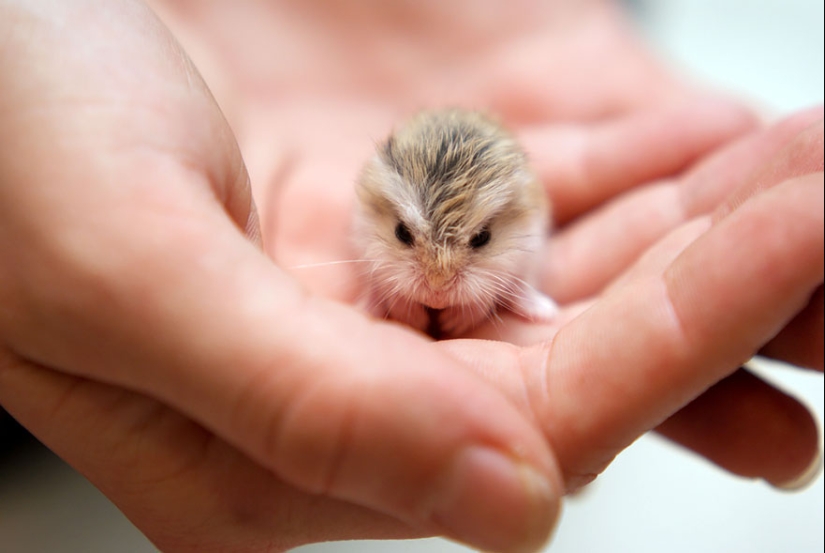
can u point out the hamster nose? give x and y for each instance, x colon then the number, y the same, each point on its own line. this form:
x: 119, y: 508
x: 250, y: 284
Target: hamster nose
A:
x: 439, y: 280
x: 439, y: 269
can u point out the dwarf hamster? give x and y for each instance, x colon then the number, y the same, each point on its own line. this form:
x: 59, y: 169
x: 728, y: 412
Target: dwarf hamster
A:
x: 452, y: 223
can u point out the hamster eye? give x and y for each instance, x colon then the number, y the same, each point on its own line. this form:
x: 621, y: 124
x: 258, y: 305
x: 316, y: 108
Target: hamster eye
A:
x: 481, y: 239
x: 403, y: 234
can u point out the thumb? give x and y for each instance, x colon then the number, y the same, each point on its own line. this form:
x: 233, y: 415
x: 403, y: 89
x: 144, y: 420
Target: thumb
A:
x: 331, y: 402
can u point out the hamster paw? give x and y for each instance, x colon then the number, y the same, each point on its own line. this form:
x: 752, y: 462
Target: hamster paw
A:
x: 535, y: 306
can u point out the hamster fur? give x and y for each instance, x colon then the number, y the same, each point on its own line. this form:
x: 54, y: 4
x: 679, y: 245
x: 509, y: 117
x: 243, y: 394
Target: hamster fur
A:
x: 452, y: 223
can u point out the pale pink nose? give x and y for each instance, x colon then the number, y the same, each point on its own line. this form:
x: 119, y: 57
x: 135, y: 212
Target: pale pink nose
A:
x: 439, y: 279
x: 440, y: 268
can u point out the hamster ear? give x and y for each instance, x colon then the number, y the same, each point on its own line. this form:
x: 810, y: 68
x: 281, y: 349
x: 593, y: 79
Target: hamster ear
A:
x: 534, y: 306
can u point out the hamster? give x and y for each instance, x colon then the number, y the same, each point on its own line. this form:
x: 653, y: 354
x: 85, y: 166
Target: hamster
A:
x: 452, y: 224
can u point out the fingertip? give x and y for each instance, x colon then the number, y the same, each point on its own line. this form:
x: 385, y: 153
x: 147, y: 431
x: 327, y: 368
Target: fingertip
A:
x: 805, y: 478
x: 752, y: 429
x: 497, y: 503
x: 414, y: 435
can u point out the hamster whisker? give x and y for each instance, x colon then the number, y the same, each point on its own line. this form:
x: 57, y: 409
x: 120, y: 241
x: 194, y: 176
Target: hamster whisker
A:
x: 506, y: 277
x: 490, y: 286
x: 379, y: 272
x: 501, y: 287
x: 390, y: 294
x: 511, y: 249
x: 522, y: 236
x: 390, y: 288
x: 497, y: 322
x: 398, y: 288
x: 499, y: 291
x: 505, y: 296
x: 328, y: 263
x: 525, y: 250
x: 504, y: 281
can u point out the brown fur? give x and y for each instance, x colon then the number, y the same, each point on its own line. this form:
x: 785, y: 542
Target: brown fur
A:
x: 461, y: 166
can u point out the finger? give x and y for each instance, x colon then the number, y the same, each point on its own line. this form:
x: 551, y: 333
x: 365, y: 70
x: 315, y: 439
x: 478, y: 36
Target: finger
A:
x: 184, y: 487
x: 588, y: 254
x: 750, y: 428
x: 718, y: 176
x: 584, y: 257
x: 802, y: 155
x: 657, y: 343
x: 148, y: 285
x: 741, y: 424
x: 800, y: 342
x: 348, y: 413
x: 584, y: 167
x: 653, y: 262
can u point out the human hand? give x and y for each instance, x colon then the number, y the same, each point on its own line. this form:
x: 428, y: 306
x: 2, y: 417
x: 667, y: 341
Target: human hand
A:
x: 640, y: 126
x: 196, y: 382
x: 599, y: 117
x: 739, y: 273
x: 149, y: 341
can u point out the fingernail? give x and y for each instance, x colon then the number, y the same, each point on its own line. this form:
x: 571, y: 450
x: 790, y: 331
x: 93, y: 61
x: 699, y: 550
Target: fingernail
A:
x: 805, y: 478
x: 496, y: 503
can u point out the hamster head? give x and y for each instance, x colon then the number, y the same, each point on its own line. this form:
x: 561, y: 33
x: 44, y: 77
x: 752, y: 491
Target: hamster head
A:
x: 449, y: 213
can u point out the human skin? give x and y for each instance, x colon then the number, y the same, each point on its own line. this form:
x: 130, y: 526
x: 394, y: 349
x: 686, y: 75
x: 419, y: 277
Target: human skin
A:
x: 148, y: 341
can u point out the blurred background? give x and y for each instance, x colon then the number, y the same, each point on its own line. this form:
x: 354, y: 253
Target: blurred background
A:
x: 655, y: 497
